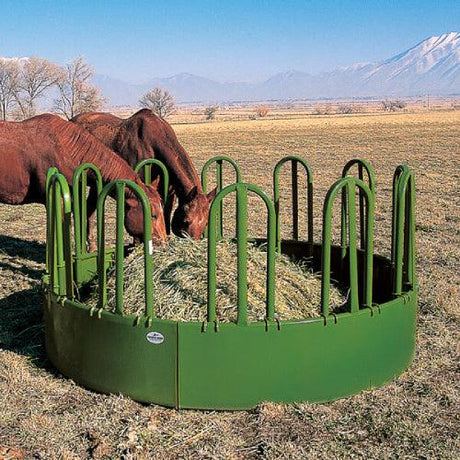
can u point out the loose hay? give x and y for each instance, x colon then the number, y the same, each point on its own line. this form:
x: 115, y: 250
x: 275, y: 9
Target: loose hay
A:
x: 180, y: 283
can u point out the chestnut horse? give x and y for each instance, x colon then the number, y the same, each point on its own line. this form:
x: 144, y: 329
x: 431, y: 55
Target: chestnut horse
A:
x: 142, y: 136
x: 29, y: 148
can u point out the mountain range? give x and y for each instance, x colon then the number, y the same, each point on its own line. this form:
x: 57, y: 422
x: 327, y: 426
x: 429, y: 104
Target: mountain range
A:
x: 432, y: 66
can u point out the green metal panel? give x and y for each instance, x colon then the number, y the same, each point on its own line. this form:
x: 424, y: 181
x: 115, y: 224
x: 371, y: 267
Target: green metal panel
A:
x: 403, y: 230
x: 49, y: 174
x: 294, y: 160
x: 108, y: 353
x: 362, y: 166
x: 146, y: 166
x: 59, y: 264
x: 242, y: 190
x: 219, y: 160
x: 235, y: 366
x: 80, y: 211
x: 238, y: 367
x: 349, y: 249
x: 120, y: 186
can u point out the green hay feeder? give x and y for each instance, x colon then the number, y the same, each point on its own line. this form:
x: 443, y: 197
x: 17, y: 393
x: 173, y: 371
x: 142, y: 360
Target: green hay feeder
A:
x: 212, y: 365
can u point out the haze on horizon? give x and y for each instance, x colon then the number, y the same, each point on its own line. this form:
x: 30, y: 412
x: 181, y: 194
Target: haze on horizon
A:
x: 225, y: 41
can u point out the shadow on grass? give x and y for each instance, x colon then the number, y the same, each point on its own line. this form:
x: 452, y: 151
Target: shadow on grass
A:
x: 16, y: 247
x: 22, y: 269
x: 21, y: 312
x: 21, y: 325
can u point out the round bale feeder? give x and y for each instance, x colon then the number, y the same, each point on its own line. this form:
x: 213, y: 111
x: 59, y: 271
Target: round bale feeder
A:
x: 212, y: 365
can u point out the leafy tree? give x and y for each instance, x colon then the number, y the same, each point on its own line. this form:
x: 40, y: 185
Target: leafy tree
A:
x: 159, y: 101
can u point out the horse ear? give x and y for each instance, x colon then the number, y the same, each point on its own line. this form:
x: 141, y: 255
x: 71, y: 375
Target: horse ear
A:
x: 211, y: 195
x: 155, y: 183
x: 131, y: 201
x: 192, y: 194
x: 139, y: 182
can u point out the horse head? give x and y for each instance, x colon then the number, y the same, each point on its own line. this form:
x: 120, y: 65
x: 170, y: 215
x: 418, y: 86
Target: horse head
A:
x: 134, y: 217
x: 191, y: 215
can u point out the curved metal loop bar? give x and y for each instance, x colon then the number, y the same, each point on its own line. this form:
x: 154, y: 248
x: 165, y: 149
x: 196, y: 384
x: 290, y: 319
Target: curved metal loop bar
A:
x: 58, y: 244
x: 399, y: 171
x: 147, y: 165
x: 294, y: 159
x: 403, y: 229
x: 242, y: 190
x: 49, y: 174
x: 120, y: 187
x: 363, y: 165
x: 64, y: 189
x: 350, y: 185
x: 219, y: 160
x: 80, y: 210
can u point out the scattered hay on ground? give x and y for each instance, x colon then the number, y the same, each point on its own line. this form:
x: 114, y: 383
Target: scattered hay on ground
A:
x: 180, y: 283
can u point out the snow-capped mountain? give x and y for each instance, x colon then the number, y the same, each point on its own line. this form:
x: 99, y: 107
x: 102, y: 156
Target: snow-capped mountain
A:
x: 432, y: 66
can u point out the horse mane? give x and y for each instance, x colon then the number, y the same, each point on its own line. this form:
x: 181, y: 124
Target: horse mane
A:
x: 154, y: 131
x: 82, y: 147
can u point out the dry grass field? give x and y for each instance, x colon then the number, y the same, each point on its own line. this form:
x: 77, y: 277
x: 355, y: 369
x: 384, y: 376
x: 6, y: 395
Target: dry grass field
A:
x: 45, y: 415
x: 297, y: 109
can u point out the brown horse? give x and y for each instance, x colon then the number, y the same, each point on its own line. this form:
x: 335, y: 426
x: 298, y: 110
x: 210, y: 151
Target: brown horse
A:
x: 29, y: 148
x: 142, y: 136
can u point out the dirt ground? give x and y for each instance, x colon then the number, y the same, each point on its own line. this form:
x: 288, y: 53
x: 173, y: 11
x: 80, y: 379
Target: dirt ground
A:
x: 45, y: 415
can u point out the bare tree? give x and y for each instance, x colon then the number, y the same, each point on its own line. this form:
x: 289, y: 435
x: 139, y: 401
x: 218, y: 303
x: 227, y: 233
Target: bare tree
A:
x: 210, y: 112
x: 9, y: 75
x: 261, y: 110
x: 76, y: 94
x: 345, y: 109
x: 322, y: 110
x: 36, y: 75
x: 392, y: 106
x: 399, y: 104
x: 159, y: 101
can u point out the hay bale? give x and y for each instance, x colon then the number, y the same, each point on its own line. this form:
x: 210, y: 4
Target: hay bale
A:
x: 180, y: 283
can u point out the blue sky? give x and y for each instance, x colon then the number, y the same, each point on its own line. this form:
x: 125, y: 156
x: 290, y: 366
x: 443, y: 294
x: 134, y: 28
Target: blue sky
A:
x: 225, y: 40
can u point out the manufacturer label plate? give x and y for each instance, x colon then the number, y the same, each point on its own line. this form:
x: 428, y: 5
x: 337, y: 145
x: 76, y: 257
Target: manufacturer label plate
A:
x: 155, y: 337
